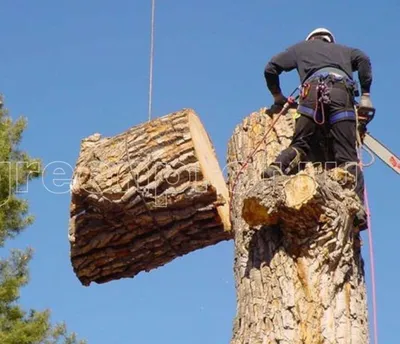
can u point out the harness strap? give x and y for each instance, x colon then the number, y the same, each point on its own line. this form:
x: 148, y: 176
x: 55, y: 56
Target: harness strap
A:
x: 324, y: 80
x: 304, y: 110
x: 336, y: 76
x: 342, y: 115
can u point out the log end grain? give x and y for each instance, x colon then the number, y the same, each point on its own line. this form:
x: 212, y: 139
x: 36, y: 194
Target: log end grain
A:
x: 209, y: 165
x: 299, y: 190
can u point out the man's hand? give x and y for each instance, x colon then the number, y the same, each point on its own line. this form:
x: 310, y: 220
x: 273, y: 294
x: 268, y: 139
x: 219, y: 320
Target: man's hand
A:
x: 365, y: 102
x: 279, y: 99
x: 365, y: 107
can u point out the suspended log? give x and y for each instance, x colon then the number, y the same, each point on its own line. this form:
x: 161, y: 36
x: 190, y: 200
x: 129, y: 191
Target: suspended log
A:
x: 145, y: 197
x: 298, y: 266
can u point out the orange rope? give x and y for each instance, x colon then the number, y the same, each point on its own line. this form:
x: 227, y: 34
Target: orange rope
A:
x: 372, y: 267
x: 371, y: 244
x: 371, y: 250
x: 250, y: 156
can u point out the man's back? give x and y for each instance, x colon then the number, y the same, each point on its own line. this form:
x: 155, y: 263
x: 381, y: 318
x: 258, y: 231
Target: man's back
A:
x: 309, y: 56
x: 316, y: 54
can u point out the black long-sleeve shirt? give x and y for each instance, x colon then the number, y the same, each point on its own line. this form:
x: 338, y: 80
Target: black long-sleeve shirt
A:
x: 309, y: 56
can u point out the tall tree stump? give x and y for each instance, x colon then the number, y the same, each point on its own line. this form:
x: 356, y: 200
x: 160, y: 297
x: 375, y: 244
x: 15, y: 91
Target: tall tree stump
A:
x: 145, y: 197
x: 298, y: 268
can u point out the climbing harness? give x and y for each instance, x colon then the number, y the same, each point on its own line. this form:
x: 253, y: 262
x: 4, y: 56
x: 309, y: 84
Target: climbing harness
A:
x: 323, y: 98
x: 324, y: 80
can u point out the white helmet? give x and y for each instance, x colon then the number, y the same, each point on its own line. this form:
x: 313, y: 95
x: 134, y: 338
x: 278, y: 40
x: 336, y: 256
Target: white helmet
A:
x: 325, y: 33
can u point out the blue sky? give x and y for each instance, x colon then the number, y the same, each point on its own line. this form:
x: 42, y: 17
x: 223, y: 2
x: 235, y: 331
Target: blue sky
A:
x: 79, y: 67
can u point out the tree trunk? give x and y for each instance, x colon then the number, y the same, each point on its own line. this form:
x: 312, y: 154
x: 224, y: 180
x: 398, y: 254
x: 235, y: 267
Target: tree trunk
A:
x: 144, y: 197
x: 298, y: 267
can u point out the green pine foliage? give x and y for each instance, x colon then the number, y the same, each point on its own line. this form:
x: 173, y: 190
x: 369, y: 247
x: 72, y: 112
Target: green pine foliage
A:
x: 17, y: 168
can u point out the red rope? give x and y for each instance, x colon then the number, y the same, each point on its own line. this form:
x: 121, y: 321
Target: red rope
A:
x: 371, y: 244
x: 371, y: 256
x: 371, y: 259
x: 317, y: 102
x: 250, y: 156
x: 372, y: 266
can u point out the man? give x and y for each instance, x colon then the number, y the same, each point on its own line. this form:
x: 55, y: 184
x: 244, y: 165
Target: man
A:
x: 327, y: 97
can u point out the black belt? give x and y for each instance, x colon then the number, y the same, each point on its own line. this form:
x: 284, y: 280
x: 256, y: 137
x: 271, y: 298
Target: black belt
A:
x: 336, y: 73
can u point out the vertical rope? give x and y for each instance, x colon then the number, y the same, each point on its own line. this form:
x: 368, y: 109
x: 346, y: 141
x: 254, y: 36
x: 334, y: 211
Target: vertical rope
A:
x: 372, y: 267
x: 153, y: 7
x: 371, y: 244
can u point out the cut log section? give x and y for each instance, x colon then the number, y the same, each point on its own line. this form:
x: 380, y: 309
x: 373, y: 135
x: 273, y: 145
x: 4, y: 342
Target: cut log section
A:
x: 291, y: 201
x: 145, y: 197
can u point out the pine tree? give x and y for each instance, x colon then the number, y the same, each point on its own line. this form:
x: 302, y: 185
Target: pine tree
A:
x: 17, y: 168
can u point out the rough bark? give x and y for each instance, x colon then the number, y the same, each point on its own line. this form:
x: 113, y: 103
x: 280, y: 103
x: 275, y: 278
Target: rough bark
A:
x: 298, y: 267
x: 145, y: 197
